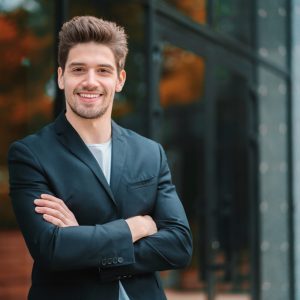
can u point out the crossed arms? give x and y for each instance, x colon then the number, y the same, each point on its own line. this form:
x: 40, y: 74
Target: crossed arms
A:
x: 139, y: 244
x: 55, y: 211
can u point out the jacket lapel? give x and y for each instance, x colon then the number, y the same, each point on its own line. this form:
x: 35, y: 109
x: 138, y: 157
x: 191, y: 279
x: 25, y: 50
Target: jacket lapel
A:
x: 118, y: 157
x: 72, y: 141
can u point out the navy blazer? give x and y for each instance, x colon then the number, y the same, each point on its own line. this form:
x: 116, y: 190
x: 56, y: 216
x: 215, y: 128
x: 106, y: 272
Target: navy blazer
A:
x: 87, y: 261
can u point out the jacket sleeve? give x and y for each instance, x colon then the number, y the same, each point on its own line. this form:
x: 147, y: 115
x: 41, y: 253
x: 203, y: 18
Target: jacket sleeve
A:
x: 171, y: 246
x: 61, y: 248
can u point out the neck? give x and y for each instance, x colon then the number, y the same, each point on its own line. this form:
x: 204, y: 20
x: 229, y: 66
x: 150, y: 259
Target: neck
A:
x: 91, y: 131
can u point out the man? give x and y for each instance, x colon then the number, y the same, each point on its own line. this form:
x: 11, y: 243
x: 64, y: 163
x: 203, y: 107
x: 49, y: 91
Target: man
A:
x: 95, y: 201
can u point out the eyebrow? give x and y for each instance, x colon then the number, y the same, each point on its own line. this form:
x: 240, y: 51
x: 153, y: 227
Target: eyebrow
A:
x: 75, y: 64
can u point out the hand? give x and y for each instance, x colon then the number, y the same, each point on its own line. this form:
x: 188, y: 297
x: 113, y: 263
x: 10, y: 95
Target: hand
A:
x: 141, y: 226
x: 55, y: 211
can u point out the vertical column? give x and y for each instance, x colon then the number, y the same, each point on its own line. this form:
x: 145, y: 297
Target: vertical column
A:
x: 273, y: 104
x: 295, y: 64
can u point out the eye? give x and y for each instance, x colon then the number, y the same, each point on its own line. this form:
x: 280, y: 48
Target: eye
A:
x: 104, y: 71
x: 77, y: 70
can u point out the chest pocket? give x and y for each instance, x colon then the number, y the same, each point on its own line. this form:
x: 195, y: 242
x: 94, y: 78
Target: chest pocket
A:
x: 144, y: 183
x: 140, y: 196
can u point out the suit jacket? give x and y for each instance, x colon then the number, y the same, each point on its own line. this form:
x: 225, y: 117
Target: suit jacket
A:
x: 87, y: 261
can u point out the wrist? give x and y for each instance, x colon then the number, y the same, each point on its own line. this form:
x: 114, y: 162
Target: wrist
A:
x: 136, y: 228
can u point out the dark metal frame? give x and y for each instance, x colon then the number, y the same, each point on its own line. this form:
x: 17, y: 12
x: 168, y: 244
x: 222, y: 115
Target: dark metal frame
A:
x: 291, y: 221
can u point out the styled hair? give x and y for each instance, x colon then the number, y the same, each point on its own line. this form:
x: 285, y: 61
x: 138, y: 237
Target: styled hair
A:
x: 84, y: 29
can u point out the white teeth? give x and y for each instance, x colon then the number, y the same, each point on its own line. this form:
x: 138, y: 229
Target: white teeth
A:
x: 90, y: 96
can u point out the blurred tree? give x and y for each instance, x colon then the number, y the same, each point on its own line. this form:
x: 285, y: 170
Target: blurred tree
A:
x: 26, y: 95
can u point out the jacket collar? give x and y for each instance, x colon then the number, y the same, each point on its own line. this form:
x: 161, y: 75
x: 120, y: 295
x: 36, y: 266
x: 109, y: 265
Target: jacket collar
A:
x: 69, y: 137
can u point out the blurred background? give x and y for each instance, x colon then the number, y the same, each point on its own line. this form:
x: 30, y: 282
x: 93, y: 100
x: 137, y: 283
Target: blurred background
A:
x: 217, y: 83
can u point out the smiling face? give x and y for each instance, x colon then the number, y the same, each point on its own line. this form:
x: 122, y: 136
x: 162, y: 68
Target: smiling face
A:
x: 90, y: 80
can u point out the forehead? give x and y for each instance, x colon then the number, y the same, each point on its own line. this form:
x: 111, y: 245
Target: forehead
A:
x: 91, y: 54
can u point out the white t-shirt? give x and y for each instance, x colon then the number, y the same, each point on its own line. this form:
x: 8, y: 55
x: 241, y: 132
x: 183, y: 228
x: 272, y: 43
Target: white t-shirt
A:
x: 102, y: 153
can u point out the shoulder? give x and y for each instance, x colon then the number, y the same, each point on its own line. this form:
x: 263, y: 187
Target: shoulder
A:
x: 134, y: 139
x: 34, y: 140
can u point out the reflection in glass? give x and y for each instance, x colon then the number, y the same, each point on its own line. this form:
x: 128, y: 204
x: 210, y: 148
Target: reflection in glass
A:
x: 181, y: 91
x: 233, y: 207
x: 195, y: 9
x: 182, y: 77
x: 234, y: 18
x: 182, y: 135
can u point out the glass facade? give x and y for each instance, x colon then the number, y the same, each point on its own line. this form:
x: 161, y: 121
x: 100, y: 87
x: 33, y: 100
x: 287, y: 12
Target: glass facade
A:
x: 274, y: 164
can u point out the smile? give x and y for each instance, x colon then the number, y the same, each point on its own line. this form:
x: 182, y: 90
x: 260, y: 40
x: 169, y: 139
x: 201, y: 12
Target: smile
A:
x: 89, y: 96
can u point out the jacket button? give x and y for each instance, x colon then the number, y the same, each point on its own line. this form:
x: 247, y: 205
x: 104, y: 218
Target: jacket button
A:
x: 103, y: 262
x: 120, y: 259
x: 115, y: 260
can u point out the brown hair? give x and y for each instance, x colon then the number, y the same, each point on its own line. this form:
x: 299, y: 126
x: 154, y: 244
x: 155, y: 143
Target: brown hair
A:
x: 86, y: 29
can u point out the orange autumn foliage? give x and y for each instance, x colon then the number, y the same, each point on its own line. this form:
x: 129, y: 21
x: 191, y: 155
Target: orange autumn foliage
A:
x: 22, y: 53
x: 195, y: 9
x: 182, y: 80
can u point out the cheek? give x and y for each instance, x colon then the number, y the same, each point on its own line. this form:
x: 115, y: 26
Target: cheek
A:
x: 110, y: 84
x: 69, y: 87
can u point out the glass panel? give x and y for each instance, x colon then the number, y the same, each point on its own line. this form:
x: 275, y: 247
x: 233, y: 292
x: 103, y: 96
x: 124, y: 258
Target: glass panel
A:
x: 129, y: 107
x: 233, y: 207
x: 274, y: 181
x: 195, y: 9
x: 233, y: 17
x: 182, y: 135
x: 181, y: 94
x: 274, y: 17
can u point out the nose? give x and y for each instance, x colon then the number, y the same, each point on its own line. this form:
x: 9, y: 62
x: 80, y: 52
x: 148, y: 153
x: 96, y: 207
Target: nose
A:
x: 90, y: 79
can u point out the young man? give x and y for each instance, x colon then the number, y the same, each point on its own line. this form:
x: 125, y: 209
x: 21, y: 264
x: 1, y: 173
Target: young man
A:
x: 95, y: 201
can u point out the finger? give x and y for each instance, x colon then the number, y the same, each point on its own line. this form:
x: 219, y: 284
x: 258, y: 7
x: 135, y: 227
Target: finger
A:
x: 48, y: 203
x: 53, y: 220
x: 52, y: 205
x: 49, y: 197
x: 51, y: 212
x: 54, y: 199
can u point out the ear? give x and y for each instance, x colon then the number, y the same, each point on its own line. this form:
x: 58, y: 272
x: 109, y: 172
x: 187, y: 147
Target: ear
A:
x: 121, y: 81
x: 60, y: 78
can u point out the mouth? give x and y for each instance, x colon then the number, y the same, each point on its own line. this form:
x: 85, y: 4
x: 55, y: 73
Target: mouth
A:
x: 89, y: 97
